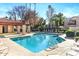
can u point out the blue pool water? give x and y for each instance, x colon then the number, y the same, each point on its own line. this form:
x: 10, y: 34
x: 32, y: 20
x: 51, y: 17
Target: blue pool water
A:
x: 38, y: 42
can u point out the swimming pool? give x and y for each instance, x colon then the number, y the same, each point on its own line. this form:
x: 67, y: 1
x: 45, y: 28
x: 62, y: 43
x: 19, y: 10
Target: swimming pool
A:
x: 2, y: 36
x: 38, y: 41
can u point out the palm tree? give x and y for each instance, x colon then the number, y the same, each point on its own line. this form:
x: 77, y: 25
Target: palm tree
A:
x: 55, y: 21
x: 61, y: 18
x: 58, y: 17
x: 49, y: 12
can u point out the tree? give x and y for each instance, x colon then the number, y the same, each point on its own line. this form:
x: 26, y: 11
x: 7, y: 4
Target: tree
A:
x: 20, y: 11
x: 61, y: 18
x: 12, y: 14
x: 54, y: 20
x: 23, y: 13
x: 42, y: 23
x: 57, y: 20
x: 50, y: 12
x: 30, y: 14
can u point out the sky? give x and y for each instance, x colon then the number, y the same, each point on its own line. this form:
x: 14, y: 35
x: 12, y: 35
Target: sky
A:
x: 68, y: 9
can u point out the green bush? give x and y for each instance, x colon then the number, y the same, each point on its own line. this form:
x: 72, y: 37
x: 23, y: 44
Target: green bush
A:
x: 77, y: 33
x: 70, y: 33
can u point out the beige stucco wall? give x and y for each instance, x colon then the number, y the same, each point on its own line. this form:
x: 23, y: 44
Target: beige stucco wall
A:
x: 77, y: 23
x: 1, y: 30
x: 18, y: 29
x: 10, y: 28
x: 28, y: 29
x: 23, y: 29
x: 66, y: 24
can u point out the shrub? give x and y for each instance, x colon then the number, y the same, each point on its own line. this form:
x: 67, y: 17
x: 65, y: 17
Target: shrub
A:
x: 70, y: 33
x: 77, y: 33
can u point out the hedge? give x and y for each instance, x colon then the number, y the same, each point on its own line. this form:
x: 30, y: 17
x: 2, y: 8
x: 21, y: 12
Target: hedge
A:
x: 70, y: 34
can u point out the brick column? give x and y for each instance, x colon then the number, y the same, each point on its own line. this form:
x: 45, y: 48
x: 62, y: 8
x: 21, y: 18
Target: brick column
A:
x: 1, y: 28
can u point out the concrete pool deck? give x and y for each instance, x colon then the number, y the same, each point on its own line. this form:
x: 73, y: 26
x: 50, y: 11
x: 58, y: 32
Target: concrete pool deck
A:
x: 17, y: 50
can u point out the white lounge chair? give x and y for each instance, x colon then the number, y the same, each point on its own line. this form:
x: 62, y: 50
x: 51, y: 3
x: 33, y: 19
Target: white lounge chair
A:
x: 75, y: 49
x: 71, y: 53
x: 3, y: 49
x: 77, y: 44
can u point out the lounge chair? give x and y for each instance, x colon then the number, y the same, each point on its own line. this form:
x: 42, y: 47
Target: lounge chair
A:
x: 75, y: 49
x: 71, y: 53
x: 3, y: 49
x: 76, y: 44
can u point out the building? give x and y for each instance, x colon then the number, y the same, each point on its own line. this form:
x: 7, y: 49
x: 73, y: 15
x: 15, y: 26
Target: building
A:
x: 72, y: 23
x: 10, y: 26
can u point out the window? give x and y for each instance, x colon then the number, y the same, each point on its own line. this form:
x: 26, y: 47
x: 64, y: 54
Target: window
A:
x: 72, y: 22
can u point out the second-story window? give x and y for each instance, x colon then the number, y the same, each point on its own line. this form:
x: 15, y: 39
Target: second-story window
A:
x: 72, y: 22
